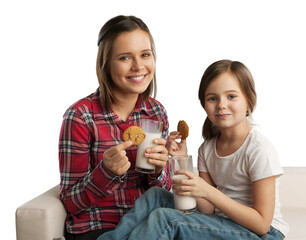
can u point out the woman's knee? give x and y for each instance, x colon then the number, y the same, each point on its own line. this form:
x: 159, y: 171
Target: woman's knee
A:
x: 158, y: 193
x: 162, y: 214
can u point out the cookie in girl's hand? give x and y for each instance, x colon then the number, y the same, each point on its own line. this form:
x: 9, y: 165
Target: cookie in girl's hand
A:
x: 134, y: 134
x: 183, y: 128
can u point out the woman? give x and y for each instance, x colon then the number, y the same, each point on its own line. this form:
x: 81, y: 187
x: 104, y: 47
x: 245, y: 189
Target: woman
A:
x: 98, y: 181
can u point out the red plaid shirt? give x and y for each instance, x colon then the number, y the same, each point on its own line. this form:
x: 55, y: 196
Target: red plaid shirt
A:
x: 93, y: 196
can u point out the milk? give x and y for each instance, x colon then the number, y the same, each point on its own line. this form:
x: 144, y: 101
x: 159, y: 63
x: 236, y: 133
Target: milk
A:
x: 142, y: 164
x: 183, y: 202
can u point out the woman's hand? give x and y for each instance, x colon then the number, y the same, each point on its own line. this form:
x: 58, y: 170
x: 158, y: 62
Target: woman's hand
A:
x: 115, y: 158
x: 176, y: 148
x: 157, y: 155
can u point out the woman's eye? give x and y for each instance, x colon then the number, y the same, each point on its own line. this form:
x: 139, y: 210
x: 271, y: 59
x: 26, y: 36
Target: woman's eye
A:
x: 146, y: 54
x: 124, y: 58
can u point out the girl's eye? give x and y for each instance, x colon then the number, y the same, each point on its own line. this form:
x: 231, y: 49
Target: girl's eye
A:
x: 231, y: 96
x: 211, y: 99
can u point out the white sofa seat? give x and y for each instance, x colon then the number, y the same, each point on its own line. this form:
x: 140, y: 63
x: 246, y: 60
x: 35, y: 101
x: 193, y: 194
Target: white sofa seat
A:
x: 43, y: 217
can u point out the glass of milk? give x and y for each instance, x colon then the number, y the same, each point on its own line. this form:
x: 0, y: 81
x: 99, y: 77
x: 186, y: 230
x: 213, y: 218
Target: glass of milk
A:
x: 182, y: 203
x: 153, y: 130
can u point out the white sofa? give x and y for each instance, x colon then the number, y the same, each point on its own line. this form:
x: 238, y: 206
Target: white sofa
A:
x: 43, y: 217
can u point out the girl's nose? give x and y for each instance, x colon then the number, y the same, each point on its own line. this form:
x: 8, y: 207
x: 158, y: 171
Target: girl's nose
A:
x: 222, y: 104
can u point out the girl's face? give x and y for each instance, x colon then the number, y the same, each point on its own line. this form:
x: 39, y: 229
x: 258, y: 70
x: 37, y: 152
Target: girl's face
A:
x: 132, y: 64
x: 225, y: 104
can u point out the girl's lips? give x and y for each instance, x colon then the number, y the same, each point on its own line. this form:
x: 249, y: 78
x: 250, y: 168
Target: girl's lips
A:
x: 222, y: 115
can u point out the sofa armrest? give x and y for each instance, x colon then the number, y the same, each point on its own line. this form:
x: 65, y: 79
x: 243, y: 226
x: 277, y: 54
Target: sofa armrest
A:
x: 42, y: 218
x: 291, y: 190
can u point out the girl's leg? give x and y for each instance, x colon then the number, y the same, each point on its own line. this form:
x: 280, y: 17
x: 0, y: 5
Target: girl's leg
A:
x: 155, y: 197
x: 273, y: 234
x: 166, y: 223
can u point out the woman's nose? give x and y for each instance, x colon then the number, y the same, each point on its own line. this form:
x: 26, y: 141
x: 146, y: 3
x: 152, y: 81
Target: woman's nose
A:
x: 137, y: 65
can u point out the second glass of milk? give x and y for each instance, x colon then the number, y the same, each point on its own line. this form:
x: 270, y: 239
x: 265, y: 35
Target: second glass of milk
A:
x: 182, y: 203
x: 153, y: 130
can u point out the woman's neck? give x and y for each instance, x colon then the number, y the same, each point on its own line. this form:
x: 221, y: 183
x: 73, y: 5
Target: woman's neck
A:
x: 124, y: 106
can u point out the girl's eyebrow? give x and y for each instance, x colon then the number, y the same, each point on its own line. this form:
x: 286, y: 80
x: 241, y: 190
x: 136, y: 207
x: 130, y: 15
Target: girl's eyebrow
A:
x: 228, y: 91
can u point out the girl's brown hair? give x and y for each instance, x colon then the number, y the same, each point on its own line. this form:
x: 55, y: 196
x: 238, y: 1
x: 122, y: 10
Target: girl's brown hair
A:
x: 107, y: 36
x: 246, y: 82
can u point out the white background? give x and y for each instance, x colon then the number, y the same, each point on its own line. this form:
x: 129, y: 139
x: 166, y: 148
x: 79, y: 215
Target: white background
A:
x: 47, y: 62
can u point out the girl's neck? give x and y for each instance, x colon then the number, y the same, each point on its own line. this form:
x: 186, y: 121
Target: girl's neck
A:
x: 230, y: 140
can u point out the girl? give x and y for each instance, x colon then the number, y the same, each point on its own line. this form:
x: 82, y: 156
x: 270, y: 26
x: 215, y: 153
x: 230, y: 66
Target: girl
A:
x: 98, y: 181
x: 236, y: 190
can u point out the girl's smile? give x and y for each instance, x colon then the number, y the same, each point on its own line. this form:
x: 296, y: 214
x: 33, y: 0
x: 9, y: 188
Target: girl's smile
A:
x: 225, y: 104
x: 223, y: 116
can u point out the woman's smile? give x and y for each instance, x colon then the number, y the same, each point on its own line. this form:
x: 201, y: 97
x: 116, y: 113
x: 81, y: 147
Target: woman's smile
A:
x: 132, y: 66
x: 136, y: 78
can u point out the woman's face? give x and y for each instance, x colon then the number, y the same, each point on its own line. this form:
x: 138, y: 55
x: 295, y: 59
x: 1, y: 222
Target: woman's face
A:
x: 132, y: 64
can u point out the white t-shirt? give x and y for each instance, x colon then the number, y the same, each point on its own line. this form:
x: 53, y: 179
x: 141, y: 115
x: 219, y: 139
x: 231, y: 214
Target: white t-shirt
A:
x: 255, y: 159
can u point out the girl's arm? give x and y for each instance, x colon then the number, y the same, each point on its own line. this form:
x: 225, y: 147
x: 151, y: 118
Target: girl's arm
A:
x: 203, y: 205
x: 257, y: 218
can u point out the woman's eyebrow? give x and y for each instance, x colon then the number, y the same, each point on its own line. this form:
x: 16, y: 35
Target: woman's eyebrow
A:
x: 123, y: 53
x: 129, y: 53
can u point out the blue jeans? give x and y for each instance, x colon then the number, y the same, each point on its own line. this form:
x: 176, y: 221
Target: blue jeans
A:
x: 154, y: 217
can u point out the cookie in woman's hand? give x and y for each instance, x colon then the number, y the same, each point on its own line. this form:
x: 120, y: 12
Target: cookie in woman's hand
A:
x: 183, y: 128
x: 134, y: 134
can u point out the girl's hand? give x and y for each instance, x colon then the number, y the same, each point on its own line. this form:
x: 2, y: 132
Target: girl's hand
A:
x: 176, y: 148
x: 157, y: 155
x: 194, y: 186
x: 115, y: 158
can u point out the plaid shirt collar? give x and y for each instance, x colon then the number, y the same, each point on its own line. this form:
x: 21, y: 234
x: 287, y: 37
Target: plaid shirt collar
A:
x: 141, y: 106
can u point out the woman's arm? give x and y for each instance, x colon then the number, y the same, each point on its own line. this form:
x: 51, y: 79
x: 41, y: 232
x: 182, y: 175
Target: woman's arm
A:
x: 158, y: 156
x: 176, y: 148
x: 81, y: 186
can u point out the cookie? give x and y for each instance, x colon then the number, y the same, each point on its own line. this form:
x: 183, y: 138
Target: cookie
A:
x: 183, y: 128
x: 134, y: 134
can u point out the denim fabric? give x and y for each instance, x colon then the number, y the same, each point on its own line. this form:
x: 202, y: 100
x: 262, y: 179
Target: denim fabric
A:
x: 86, y: 236
x: 154, y: 217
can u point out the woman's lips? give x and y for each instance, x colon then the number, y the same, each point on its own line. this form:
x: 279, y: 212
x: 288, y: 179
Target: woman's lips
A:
x: 137, y: 78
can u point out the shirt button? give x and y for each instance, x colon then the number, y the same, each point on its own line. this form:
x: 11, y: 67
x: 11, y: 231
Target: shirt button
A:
x: 130, y: 123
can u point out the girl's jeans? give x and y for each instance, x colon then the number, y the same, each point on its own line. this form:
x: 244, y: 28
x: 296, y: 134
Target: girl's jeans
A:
x: 154, y: 217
